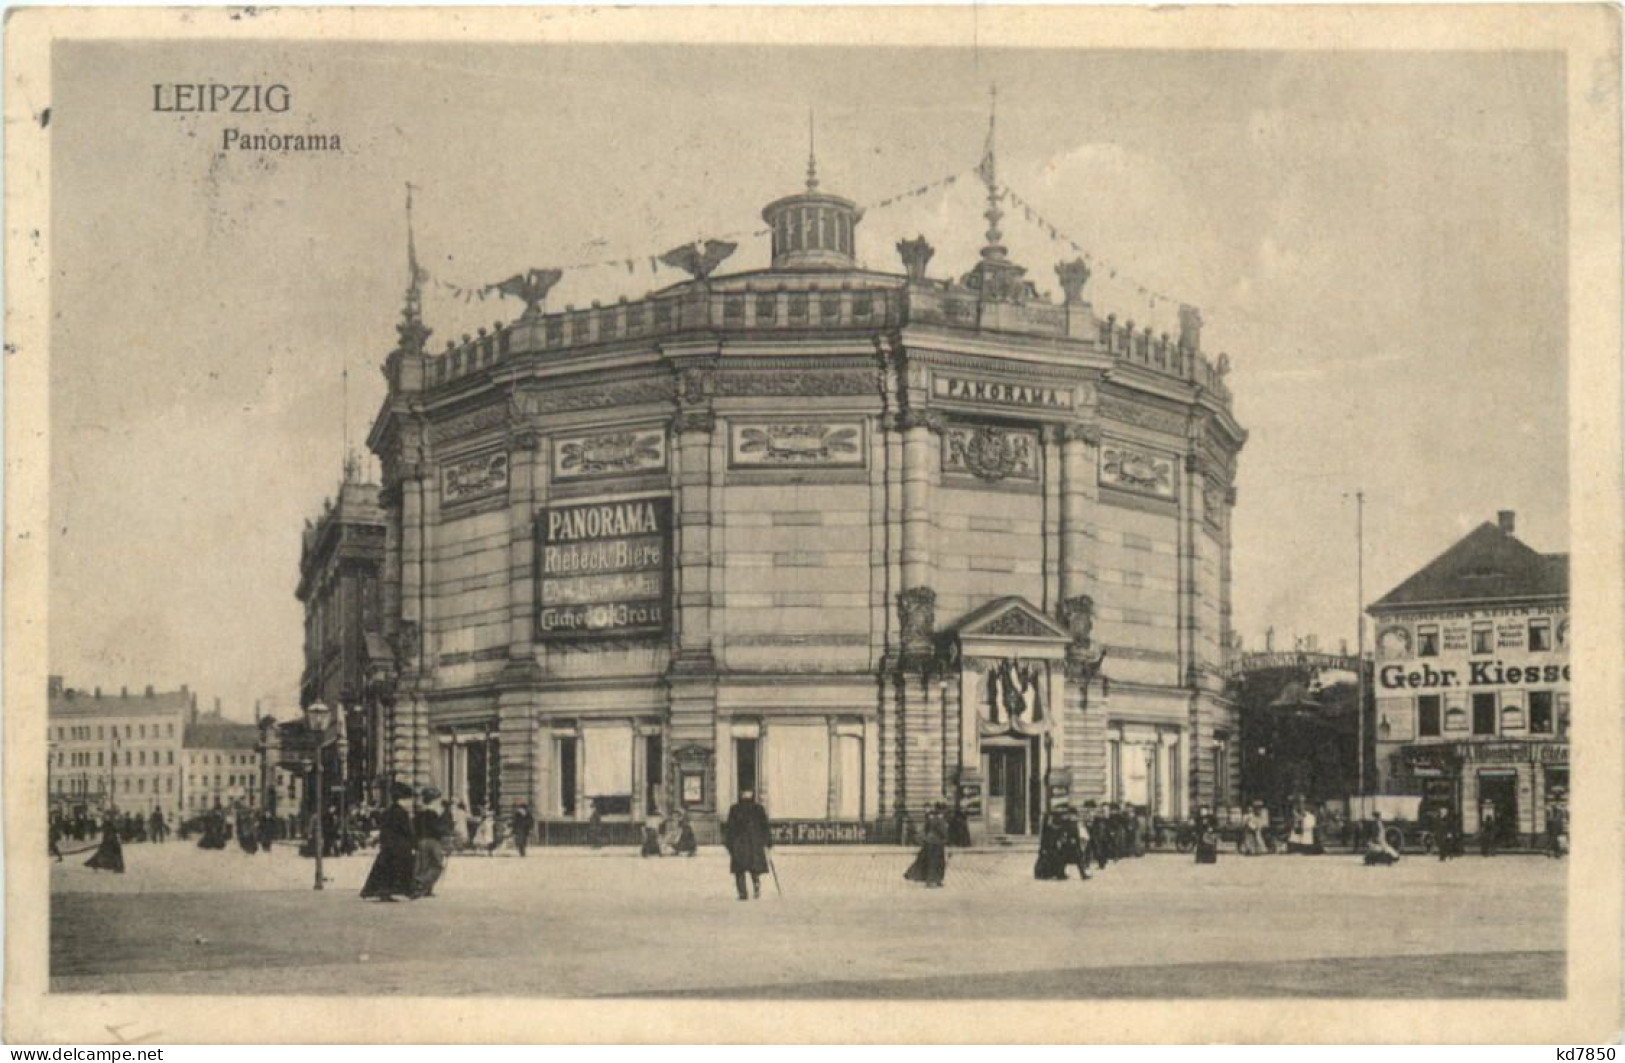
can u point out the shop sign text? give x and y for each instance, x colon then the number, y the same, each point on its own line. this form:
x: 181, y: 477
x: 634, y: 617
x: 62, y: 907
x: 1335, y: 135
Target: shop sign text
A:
x: 1479, y: 674
x: 818, y: 832
x: 998, y: 393
x: 604, y: 569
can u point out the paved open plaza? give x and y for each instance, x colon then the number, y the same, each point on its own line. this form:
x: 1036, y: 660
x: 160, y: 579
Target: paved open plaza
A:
x: 584, y: 923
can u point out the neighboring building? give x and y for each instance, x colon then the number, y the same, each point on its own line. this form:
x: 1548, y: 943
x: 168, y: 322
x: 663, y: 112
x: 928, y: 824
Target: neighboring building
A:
x: 347, y: 662
x: 1472, y: 680
x: 856, y: 539
x: 222, y: 764
x: 121, y: 750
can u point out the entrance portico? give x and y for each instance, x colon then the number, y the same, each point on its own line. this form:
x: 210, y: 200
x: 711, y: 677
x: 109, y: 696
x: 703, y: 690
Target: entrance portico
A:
x: 1007, y: 690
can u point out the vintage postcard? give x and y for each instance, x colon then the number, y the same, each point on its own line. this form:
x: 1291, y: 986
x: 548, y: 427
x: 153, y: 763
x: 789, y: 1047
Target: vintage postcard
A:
x: 995, y: 524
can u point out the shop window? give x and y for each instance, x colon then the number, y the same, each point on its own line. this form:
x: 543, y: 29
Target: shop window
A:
x: 1221, y: 774
x: 798, y: 771
x: 606, y: 770
x: 1483, y: 714
x: 564, y: 757
x: 1562, y: 715
x: 1427, y: 640
x: 1428, y: 720
x: 1483, y: 637
x: 745, y: 750
x: 654, y: 773
x: 1540, y: 635
x: 1114, y: 770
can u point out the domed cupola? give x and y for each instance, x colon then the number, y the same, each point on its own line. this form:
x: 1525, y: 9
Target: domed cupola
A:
x: 813, y: 229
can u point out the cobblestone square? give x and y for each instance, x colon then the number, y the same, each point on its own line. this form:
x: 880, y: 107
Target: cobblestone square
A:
x: 582, y: 923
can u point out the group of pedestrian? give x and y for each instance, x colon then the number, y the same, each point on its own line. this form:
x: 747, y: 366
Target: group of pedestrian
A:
x: 668, y: 836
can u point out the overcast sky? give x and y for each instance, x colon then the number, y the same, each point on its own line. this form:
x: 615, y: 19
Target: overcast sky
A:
x: 1376, y: 239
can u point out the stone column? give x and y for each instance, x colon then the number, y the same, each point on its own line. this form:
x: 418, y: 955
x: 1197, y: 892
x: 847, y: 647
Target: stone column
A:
x: 1052, y: 515
x: 1200, y: 756
x: 1079, y: 494
x: 518, y: 699
x: 921, y: 431
x: 696, y: 503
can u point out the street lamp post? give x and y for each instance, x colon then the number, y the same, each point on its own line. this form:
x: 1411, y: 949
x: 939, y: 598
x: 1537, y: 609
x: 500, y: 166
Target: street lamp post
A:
x: 316, y: 717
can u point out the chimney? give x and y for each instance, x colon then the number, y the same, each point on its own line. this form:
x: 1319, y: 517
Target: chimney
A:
x: 1507, y: 519
x: 123, y: 692
x: 217, y: 706
x: 98, y: 692
x: 54, y: 686
x: 149, y: 690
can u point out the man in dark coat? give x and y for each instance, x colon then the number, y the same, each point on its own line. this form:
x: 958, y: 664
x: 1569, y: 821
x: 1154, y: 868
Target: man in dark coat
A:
x: 523, y: 823
x: 395, y: 867
x: 748, y: 838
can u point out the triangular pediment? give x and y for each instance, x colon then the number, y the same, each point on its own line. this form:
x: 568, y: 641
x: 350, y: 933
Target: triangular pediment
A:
x: 1010, y: 618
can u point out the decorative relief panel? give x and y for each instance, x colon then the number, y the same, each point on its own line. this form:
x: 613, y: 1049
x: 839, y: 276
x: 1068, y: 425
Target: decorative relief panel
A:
x: 1130, y: 413
x: 621, y: 393
x: 796, y: 444
x: 1213, y: 505
x: 990, y: 452
x: 603, y: 454
x: 467, y: 424
x: 473, y: 477
x: 1130, y: 468
x: 780, y: 382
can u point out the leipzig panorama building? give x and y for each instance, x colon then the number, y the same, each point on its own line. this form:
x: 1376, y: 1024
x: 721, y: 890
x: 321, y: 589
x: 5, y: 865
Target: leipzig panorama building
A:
x: 859, y: 540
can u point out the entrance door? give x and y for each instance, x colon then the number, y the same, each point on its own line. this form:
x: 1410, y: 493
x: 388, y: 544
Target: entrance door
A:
x: 1007, y: 789
x: 1502, y: 792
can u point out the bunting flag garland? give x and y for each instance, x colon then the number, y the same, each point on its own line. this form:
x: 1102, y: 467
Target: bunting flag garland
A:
x: 1152, y: 295
x: 480, y: 294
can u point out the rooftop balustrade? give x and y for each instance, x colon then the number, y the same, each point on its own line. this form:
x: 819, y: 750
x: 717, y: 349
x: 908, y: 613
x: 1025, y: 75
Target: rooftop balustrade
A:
x: 788, y: 307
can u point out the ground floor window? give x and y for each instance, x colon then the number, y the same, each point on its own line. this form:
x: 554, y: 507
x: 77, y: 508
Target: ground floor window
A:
x: 798, y: 770
x: 467, y: 769
x: 564, y: 770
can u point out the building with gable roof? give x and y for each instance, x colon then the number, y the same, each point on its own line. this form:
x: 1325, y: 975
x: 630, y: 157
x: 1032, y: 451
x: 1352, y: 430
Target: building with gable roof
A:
x: 1472, y: 681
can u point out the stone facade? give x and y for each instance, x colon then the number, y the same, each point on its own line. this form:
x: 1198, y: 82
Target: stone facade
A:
x: 859, y: 540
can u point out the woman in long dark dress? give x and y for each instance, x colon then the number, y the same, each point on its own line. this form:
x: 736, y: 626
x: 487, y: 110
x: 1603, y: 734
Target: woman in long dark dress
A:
x: 109, y: 856
x: 1207, y: 837
x: 396, y: 864
x: 931, y: 863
